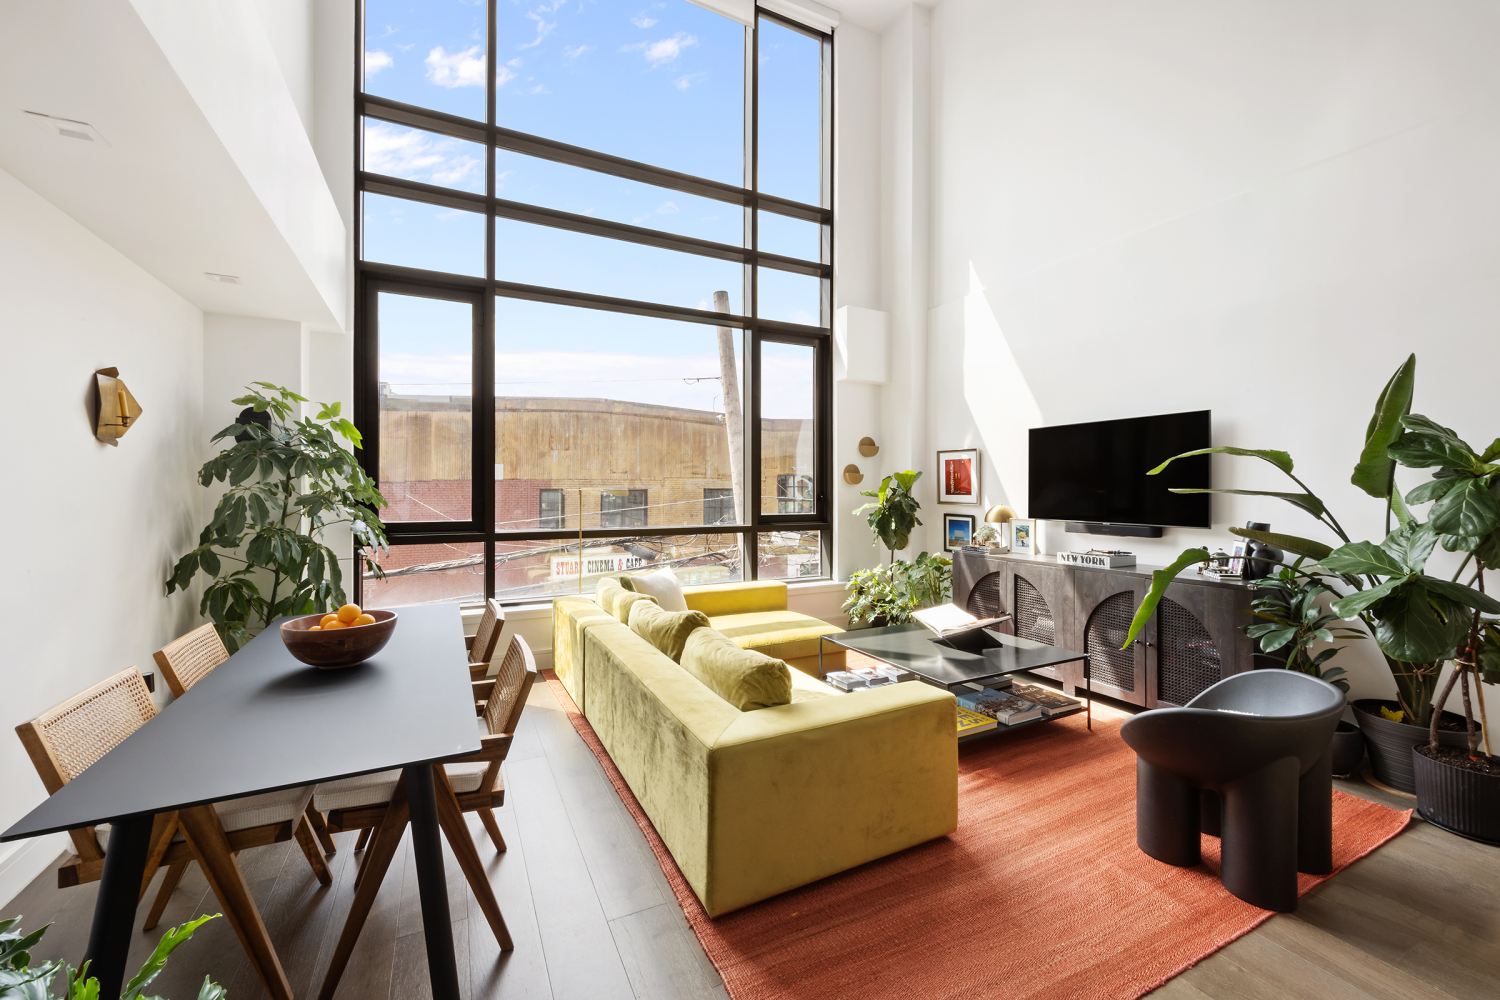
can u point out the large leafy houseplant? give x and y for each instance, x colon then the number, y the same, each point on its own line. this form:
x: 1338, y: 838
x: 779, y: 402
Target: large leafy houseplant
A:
x: 893, y: 515
x: 289, y: 481
x: 892, y: 592
x: 1418, y: 620
x: 1292, y: 619
x: 20, y: 980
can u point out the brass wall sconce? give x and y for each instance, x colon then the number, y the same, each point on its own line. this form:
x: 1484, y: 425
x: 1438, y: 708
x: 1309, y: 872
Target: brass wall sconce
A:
x: 868, y: 447
x: 116, y: 408
x: 852, y: 475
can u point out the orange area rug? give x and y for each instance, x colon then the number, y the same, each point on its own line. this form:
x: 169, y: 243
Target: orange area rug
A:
x: 1039, y: 893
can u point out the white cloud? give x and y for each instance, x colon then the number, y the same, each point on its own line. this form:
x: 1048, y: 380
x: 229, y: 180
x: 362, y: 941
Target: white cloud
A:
x: 543, y: 28
x: 418, y: 156
x: 574, y: 51
x: 502, y: 75
x: 642, y: 21
x: 515, y: 63
x: 667, y: 208
x: 664, y: 51
x: 461, y: 69
x: 538, y: 89
x: 684, y: 82
x: 376, y: 61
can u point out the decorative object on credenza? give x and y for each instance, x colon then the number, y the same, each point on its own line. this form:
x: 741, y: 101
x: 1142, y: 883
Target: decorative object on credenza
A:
x: 852, y: 475
x: 868, y: 448
x: 989, y: 535
x: 115, y: 409
x: 1023, y: 536
x: 958, y: 476
x: 1000, y: 517
x: 1261, y: 559
x: 958, y: 531
x: 1098, y: 558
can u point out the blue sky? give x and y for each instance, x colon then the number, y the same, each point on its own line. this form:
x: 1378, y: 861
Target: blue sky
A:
x: 660, y: 82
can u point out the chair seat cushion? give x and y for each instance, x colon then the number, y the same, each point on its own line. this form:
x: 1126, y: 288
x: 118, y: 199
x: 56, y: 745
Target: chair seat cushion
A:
x: 353, y: 793
x: 261, y: 810
x: 745, y: 678
x: 466, y: 777
x: 783, y: 634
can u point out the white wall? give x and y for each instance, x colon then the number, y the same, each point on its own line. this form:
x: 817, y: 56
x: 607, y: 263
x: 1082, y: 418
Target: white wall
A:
x: 1255, y: 207
x: 92, y: 530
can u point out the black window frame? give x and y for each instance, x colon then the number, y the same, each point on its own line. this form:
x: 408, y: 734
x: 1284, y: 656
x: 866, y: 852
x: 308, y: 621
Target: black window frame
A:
x: 371, y: 278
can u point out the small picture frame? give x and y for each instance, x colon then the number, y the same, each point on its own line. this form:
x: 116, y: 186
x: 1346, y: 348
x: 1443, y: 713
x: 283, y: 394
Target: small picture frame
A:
x: 958, y: 476
x: 1023, y: 536
x: 1236, y: 564
x: 958, y: 531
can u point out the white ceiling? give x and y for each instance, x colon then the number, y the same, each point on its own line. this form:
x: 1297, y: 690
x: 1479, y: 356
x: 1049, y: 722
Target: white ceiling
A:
x: 164, y: 192
x: 872, y: 14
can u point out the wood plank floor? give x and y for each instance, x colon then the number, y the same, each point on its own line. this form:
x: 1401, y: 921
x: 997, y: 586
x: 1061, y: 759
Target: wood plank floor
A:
x: 593, y: 917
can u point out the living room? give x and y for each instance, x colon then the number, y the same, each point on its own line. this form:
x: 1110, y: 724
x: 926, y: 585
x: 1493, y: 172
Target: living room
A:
x: 720, y: 269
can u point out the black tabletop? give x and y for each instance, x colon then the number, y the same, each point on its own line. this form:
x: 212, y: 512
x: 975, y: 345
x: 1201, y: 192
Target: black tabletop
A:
x: 263, y: 721
x: 915, y: 648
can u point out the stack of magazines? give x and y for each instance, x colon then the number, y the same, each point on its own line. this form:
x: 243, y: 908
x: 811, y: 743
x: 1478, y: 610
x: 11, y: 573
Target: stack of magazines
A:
x: 860, y: 678
x: 1020, y: 703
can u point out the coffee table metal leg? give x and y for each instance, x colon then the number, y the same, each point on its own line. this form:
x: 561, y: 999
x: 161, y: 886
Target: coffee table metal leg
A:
x: 1088, y: 692
x: 432, y: 884
x: 119, y: 891
x: 820, y: 657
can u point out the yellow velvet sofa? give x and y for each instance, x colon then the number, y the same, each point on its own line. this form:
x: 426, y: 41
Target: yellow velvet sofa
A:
x: 753, y: 804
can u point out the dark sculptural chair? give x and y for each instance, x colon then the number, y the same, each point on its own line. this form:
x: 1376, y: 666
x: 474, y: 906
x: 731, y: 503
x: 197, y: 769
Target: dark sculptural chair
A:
x: 1250, y: 761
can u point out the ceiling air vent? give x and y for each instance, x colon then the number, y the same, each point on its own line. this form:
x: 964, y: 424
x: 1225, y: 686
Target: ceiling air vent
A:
x: 66, y: 128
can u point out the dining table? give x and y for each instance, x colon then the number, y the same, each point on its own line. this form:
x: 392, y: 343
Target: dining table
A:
x: 261, y: 722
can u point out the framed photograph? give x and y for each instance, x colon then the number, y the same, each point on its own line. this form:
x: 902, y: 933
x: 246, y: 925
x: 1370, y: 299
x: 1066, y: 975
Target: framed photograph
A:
x: 958, y: 476
x: 1023, y: 536
x: 1236, y: 562
x: 958, y: 531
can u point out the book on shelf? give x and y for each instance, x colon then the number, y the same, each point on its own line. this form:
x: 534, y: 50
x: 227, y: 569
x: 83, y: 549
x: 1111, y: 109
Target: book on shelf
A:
x: 949, y: 619
x: 970, y: 721
x: 860, y: 678
x: 1052, y: 702
x: 1002, y: 706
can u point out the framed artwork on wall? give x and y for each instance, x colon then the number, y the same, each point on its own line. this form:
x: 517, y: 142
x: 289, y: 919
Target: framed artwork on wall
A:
x: 958, y: 476
x: 1023, y: 536
x: 958, y: 531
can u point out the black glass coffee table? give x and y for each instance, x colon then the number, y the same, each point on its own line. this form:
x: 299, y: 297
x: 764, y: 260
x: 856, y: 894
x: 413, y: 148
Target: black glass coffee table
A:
x: 962, y: 660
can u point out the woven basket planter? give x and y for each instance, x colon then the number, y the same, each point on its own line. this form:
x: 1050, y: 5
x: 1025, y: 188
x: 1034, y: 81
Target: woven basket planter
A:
x: 1458, y: 800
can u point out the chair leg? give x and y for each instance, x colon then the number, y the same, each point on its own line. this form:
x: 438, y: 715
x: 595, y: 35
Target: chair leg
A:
x: 320, y: 828
x: 1259, y: 847
x: 302, y: 830
x: 174, y: 875
x: 487, y: 817
x: 1211, y: 813
x: 451, y: 818
x: 364, y: 863
x: 376, y: 862
x: 364, y: 838
x: 1166, y: 816
x: 163, y: 827
x: 1315, y: 817
x: 205, y: 835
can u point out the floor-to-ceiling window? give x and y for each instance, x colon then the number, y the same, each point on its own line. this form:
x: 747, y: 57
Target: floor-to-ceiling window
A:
x: 595, y: 284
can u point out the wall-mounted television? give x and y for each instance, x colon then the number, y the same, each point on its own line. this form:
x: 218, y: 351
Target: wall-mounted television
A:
x: 1094, y: 475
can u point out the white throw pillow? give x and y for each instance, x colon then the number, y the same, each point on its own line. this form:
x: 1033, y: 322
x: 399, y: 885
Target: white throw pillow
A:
x: 663, y: 586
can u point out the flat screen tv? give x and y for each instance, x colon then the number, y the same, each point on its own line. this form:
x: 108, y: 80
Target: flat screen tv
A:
x: 1096, y: 473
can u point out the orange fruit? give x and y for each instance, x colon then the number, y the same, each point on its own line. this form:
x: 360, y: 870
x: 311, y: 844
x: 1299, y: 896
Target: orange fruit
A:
x: 348, y: 613
x: 327, y: 618
x: 365, y: 620
x: 333, y: 625
x: 316, y: 628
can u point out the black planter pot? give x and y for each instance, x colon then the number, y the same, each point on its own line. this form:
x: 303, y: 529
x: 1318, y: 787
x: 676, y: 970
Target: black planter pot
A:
x: 1390, y: 742
x: 1348, y: 748
x: 1457, y: 800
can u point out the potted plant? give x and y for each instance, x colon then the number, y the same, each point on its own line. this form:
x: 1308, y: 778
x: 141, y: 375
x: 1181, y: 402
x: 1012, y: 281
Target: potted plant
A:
x: 289, y: 481
x: 887, y: 595
x: 1417, y: 620
x: 24, y: 981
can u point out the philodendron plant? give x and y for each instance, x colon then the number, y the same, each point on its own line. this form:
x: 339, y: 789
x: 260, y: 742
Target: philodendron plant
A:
x: 20, y: 980
x: 1418, y: 620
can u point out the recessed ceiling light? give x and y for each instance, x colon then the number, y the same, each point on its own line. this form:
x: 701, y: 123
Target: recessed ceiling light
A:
x: 227, y: 279
x: 66, y: 128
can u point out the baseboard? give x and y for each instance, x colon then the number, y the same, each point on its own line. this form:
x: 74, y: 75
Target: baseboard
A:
x: 24, y: 860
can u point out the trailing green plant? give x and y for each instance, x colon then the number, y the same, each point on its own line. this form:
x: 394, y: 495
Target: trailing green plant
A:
x: 893, y: 591
x: 289, y: 481
x: 893, y: 515
x: 1293, y: 618
x: 926, y: 581
x: 20, y: 980
x: 1417, y: 620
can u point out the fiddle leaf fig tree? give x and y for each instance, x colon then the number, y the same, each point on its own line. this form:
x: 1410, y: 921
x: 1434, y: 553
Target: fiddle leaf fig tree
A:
x: 893, y: 515
x: 290, y: 480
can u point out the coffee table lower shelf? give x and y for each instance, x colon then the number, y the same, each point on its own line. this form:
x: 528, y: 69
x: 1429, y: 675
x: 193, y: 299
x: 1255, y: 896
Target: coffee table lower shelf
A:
x: 1001, y: 729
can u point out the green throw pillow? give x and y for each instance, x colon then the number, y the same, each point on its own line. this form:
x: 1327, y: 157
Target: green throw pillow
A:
x: 746, y: 679
x: 626, y: 584
x: 668, y: 631
x: 624, y: 601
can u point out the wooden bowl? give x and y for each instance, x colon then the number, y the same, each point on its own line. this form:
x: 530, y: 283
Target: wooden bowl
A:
x: 340, y: 647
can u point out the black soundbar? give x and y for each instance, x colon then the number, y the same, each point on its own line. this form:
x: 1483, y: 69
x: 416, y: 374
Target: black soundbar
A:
x: 1100, y: 528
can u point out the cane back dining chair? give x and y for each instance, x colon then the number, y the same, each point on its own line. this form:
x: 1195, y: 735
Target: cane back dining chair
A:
x: 485, y: 638
x: 469, y: 784
x: 66, y: 739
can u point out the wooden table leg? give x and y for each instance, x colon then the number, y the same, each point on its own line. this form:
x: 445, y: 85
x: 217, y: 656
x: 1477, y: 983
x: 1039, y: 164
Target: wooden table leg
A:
x: 119, y: 892
x: 452, y: 819
x: 205, y: 834
x: 432, y: 884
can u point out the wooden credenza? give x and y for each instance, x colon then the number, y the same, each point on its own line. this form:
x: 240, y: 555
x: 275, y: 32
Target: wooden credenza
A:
x: 1193, y: 641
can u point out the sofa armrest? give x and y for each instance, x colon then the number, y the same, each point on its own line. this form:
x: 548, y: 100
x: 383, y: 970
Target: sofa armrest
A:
x: 736, y: 598
x: 803, y: 791
x: 571, y: 618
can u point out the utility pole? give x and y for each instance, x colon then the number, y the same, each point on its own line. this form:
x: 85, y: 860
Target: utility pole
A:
x: 734, y: 422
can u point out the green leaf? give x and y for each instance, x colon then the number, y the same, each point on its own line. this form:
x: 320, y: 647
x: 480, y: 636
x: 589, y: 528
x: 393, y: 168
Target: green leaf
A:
x: 1159, y: 580
x: 1276, y: 638
x: 1425, y: 451
x: 1398, y: 507
x: 1488, y: 551
x: 158, y: 960
x: 1306, y: 501
x: 1289, y: 543
x: 1280, y: 459
x: 1433, y: 489
x: 1416, y: 626
x: 261, y: 550
x: 1467, y: 509
x: 1351, y: 606
x: 1467, y: 596
x: 1363, y: 557
x: 209, y: 560
x: 1492, y: 453
x: 1411, y: 545
x: 1376, y: 468
x: 260, y: 514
